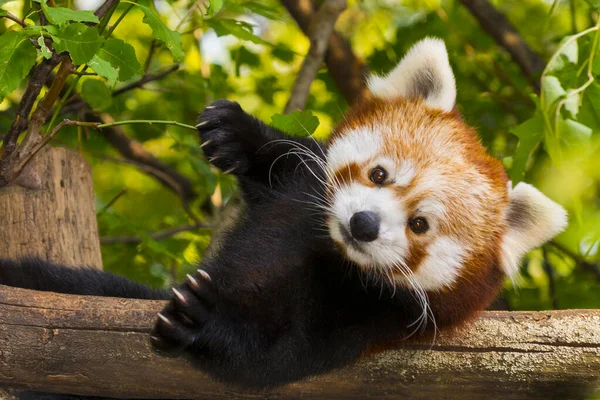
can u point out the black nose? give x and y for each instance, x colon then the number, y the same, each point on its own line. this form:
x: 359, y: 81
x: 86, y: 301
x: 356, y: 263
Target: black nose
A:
x: 364, y: 226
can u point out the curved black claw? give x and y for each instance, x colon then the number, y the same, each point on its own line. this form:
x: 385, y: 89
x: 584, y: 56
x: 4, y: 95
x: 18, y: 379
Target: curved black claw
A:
x: 226, y: 135
x: 180, y: 323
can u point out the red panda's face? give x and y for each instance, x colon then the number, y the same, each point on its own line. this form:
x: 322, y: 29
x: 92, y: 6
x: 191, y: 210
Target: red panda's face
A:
x: 413, y: 197
x: 413, y: 194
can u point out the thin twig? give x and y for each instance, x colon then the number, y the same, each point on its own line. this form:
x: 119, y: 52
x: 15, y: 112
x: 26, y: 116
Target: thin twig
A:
x: 320, y: 31
x: 111, y: 202
x: 581, y: 262
x: 145, y: 79
x: 16, y: 19
x: 156, y: 235
x: 551, y: 279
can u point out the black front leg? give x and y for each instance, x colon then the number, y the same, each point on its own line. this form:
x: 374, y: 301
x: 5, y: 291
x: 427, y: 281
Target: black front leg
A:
x: 242, y: 145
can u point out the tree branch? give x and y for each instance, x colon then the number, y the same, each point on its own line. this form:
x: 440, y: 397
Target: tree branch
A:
x: 145, y: 79
x: 320, y: 31
x: 16, y: 19
x: 37, y: 78
x: 346, y: 69
x: 506, y: 35
x: 509, y: 355
x: 165, y: 233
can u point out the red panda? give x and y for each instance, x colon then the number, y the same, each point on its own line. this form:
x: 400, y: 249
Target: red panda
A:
x: 444, y: 207
x: 401, y: 225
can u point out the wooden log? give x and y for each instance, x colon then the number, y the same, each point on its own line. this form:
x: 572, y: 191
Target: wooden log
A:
x: 99, y: 346
x: 56, y: 221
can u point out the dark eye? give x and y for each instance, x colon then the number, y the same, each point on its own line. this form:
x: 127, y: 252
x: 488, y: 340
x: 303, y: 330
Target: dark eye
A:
x: 378, y: 175
x: 418, y: 225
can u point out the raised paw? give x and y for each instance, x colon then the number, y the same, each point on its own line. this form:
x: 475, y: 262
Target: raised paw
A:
x: 228, y: 136
x: 180, y: 323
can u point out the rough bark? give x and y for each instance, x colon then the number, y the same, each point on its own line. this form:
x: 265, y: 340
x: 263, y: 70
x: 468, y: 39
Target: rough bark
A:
x: 100, y: 346
x: 56, y: 222
x: 505, y: 34
x: 319, y: 33
x: 347, y: 70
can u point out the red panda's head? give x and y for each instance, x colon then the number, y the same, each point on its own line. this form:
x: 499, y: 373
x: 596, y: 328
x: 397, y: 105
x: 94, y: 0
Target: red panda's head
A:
x: 414, y: 197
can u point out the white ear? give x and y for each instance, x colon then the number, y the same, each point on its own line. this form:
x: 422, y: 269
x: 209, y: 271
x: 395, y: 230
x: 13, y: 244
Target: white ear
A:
x: 423, y: 72
x: 532, y: 220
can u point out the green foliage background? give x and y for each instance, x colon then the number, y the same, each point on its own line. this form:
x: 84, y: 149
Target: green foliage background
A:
x: 250, y: 51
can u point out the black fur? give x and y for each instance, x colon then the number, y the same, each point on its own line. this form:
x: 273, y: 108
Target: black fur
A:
x: 281, y: 303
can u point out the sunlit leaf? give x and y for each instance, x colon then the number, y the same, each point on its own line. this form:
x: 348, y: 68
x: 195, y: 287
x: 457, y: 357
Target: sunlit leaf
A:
x: 121, y: 56
x: 572, y: 103
x: 568, y: 54
x: 573, y: 133
x: 530, y: 134
x: 171, y: 39
x: 60, y: 15
x: 81, y: 41
x: 552, y: 91
x: 17, y: 56
x: 104, y: 69
x: 214, y: 6
x: 239, y: 29
x: 298, y: 123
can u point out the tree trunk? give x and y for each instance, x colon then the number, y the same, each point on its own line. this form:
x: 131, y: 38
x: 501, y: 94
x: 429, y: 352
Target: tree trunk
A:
x: 100, y: 346
x: 56, y: 222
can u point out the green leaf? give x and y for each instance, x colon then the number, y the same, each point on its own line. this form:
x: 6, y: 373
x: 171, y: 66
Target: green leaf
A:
x: 573, y: 133
x: 572, y: 104
x: 552, y: 91
x: 170, y: 38
x: 121, y: 56
x: 60, y: 15
x: 589, y: 113
x: 44, y: 50
x: 17, y: 56
x: 594, y: 3
x: 261, y: 9
x: 569, y: 54
x: 95, y: 92
x: 203, y: 170
x: 239, y: 29
x: 283, y: 53
x: 530, y: 134
x: 214, y: 6
x: 81, y: 41
x: 3, y: 13
x: 298, y: 123
x: 104, y: 69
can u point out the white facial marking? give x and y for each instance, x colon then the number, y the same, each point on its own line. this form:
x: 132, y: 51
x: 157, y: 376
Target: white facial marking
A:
x: 358, y: 146
x: 432, y: 207
x: 405, y: 173
x: 442, y: 265
x: 423, y: 72
x: 353, y: 198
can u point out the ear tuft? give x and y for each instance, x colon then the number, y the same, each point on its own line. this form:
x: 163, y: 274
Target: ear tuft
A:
x: 533, y: 219
x: 424, y: 72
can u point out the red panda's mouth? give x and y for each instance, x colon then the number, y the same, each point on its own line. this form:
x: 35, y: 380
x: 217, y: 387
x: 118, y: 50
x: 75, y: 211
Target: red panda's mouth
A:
x: 350, y: 241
